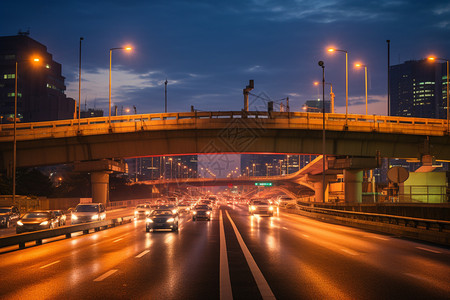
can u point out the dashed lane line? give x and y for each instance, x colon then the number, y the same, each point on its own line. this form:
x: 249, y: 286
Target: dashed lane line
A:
x: 50, y: 264
x: 142, y: 253
x: 428, y: 250
x: 106, y: 275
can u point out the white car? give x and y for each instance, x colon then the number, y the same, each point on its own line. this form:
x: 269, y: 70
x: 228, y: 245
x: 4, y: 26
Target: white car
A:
x: 88, y: 212
x: 260, y: 207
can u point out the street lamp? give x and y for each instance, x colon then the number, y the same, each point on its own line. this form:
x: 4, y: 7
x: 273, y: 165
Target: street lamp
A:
x: 346, y: 80
x: 35, y: 60
x: 322, y: 65
x: 110, y: 60
x: 358, y: 65
x: 79, y: 88
x: 448, y: 104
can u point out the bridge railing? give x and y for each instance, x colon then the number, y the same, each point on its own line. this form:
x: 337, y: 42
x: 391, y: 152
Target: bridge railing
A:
x: 291, y: 120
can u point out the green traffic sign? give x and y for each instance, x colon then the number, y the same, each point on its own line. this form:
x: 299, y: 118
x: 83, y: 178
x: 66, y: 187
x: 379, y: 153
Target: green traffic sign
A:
x: 263, y: 183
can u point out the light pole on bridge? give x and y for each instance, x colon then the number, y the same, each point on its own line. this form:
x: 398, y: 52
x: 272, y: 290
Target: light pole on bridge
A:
x: 110, y: 61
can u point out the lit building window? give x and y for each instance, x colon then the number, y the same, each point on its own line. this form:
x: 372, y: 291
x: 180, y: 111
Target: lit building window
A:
x: 9, y: 76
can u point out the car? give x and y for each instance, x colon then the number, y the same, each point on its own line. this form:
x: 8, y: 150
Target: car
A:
x: 142, y: 211
x: 260, y: 207
x: 161, y: 219
x: 9, y: 215
x: 61, y: 217
x: 172, y: 207
x: 201, y: 211
x: 184, y: 207
x: 88, y: 212
x: 37, y: 220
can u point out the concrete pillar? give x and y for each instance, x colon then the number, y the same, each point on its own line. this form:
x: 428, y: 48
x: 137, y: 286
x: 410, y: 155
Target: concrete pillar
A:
x: 318, y: 193
x: 100, y: 186
x: 353, y: 185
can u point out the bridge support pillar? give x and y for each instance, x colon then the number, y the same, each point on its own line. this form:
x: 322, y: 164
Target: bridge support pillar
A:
x: 100, y: 170
x: 318, y: 192
x: 100, y: 186
x: 353, y: 185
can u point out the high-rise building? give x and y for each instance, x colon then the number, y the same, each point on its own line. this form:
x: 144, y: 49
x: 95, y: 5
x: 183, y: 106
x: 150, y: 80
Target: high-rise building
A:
x: 268, y: 164
x: 418, y: 89
x: 316, y: 106
x: 40, y: 86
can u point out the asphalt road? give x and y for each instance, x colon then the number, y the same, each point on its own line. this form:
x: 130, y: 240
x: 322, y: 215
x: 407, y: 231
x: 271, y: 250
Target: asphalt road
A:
x: 246, y: 257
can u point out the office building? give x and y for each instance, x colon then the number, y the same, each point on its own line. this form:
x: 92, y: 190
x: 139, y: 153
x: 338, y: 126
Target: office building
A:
x: 418, y: 89
x: 40, y: 85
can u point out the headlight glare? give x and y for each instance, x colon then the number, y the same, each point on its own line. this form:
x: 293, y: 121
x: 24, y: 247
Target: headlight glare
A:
x: 44, y: 223
x: 19, y: 223
x: 148, y: 220
x: 170, y: 220
x: 74, y: 217
x: 94, y: 217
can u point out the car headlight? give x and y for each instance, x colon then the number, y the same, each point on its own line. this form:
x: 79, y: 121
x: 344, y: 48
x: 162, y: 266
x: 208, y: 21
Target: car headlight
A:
x: 194, y: 212
x: 74, y: 217
x: 270, y: 207
x: 94, y: 217
x: 136, y: 212
x: 170, y: 220
x: 208, y: 212
x: 19, y: 223
x: 252, y: 207
x: 148, y: 220
x: 174, y: 211
x: 44, y: 223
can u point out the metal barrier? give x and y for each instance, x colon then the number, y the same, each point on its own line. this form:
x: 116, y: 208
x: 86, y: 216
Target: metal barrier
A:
x: 38, y: 236
x: 437, y: 225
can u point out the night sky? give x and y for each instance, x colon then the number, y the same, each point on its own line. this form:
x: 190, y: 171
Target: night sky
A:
x: 209, y: 50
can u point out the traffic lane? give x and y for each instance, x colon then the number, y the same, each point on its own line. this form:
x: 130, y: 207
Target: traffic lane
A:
x: 182, y: 265
x: 63, y: 264
x: 84, y: 264
x: 326, y: 266
x: 405, y: 255
x: 80, y: 256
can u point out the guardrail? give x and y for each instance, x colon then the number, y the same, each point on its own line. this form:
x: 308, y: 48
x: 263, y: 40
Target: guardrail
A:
x: 130, y: 123
x: 436, y: 231
x: 38, y: 236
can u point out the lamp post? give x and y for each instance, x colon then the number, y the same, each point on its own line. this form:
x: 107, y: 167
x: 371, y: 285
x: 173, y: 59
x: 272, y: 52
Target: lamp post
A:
x: 15, y: 128
x: 253, y: 173
x: 358, y: 65
x: 79, y: 88
x: 448, y: 102
x: 346, y: 80
x: 110, y: 60
x: 321, y: 64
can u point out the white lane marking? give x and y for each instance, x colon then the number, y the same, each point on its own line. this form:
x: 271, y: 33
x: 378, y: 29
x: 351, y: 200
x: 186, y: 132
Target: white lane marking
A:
x: 349, y: 251
x: 418, y: 277
x: 261, y: 282
x: 376, y: 237
x: 305, y: 235
x: 115, y: 241
x: 225, y: 282
x: 285, y: 228
x: 142, y: 253
x: 429, y: 250
x: 50, y: 264
x: 107, y: 274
